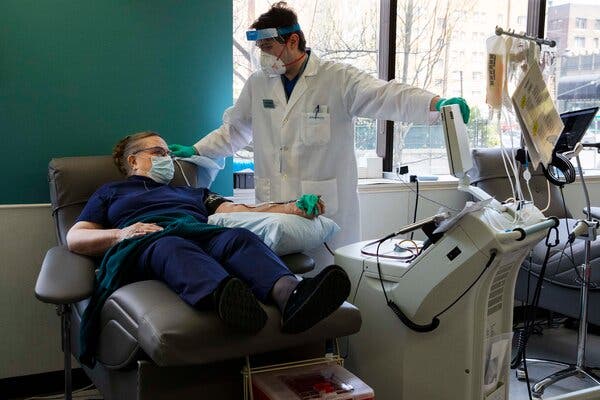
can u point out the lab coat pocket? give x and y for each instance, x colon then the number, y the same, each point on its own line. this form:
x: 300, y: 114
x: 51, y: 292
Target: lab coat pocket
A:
x: 262, y: 188
x: 316, y: 128
x: 327, y: 190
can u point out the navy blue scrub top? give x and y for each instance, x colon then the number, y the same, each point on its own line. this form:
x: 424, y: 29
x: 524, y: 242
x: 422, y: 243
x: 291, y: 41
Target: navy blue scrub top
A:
x: 290, y: 84
x: 115, y: 203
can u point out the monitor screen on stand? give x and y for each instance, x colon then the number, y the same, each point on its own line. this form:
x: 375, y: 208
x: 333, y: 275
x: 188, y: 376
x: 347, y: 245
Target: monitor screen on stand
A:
x: 576, y: 124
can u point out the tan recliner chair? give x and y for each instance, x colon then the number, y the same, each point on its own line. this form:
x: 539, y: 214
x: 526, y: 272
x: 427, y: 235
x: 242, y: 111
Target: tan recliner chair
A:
x: 152, y: 345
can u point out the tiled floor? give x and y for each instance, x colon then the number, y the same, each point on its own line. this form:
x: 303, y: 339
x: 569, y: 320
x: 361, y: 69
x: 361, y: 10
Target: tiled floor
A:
x: 556, y: 344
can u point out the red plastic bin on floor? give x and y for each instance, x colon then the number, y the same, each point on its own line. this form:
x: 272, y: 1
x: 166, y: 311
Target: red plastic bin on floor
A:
x: 327, y: 381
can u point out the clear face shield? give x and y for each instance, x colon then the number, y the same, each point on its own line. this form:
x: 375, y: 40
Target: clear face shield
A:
x: 262, y: 35
x: 265, y: 39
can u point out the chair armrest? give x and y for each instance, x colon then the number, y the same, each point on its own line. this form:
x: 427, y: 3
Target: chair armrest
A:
x: 594, y: 212
x: 298, y: 263
x: 65, y: 277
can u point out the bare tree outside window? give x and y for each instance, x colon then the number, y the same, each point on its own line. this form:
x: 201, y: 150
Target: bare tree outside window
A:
x: 441, y: 48
x: 345, y: 31
x: 342, y: 31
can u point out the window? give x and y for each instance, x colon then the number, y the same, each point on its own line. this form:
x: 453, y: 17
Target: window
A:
x: 445, y: 55
x: 421, y: 146
x: 597, y: 24
x: 342, y: 31
x: 580, y: 23
x: 596, y: 43
x: 576, y: 77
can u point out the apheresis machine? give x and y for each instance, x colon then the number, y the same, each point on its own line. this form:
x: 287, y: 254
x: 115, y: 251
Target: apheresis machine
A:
x: 437, y: 315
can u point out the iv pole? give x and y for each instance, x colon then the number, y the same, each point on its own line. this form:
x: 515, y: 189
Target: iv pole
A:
x: 588, y: 234
x: 511, y: 32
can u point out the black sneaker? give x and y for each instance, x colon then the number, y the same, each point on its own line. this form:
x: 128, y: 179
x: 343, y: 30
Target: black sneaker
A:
x: 314, y: 299
x: 238, y: 308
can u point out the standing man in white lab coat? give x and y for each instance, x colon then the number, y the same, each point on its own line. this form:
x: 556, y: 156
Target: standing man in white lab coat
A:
x: 299, y: 112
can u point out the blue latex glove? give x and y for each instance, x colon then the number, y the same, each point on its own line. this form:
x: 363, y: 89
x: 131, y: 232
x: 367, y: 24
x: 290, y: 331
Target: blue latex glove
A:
x: 464, y: 107
x: 180, y: 150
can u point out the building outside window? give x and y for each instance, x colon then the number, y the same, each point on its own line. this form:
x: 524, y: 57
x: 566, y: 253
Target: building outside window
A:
x: 576, y: 71
x: 461, y: 73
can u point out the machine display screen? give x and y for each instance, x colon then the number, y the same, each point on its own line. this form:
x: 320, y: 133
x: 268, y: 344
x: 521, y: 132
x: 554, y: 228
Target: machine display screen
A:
x: 576, y: 124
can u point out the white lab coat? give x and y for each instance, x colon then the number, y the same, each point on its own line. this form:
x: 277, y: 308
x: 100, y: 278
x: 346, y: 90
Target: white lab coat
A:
x: 306, y: 144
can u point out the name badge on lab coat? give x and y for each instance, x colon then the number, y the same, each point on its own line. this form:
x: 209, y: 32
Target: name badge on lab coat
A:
x: 268, y: 103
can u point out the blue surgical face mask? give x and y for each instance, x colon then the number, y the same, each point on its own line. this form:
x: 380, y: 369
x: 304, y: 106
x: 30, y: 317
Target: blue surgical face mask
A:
x: 162, y: 170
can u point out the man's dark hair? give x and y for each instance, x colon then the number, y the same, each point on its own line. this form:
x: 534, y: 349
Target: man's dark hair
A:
x: 279, y: 16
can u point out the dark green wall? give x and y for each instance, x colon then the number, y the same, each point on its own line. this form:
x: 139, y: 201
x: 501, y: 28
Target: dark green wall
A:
x: 77, y: 75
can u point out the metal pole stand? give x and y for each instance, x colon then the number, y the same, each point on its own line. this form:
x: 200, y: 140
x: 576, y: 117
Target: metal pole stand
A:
x: 579, y: 369
x: 64, y: 310
x: 586, y: 230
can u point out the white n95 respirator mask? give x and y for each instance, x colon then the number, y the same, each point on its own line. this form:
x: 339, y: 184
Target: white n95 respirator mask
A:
x: 271, y: 65
x: 162, y: 170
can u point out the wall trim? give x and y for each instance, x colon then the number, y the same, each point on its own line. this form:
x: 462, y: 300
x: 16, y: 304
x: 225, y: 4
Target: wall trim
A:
x: 35, y: 205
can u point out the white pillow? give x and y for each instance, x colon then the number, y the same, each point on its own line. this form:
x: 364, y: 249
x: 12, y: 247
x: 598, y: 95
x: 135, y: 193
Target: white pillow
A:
x: 283, y: 233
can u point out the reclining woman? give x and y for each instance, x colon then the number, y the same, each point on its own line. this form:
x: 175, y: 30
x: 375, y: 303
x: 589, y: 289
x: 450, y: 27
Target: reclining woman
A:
x: 147, y: 229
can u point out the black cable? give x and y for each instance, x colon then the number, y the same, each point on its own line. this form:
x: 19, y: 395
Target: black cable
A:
x: 526, y: 372
x: 328, y: 249
x: 564, y: 203
x: 593, y: 285
x: 529, y: 318
x: 530, y: 322
x: 562, y: 164
x: 522, y: 339
x: 416, y: 206
x: 487, y: 265
x: 405, y: 320
x: 445, y: 206
x: 435, y: 322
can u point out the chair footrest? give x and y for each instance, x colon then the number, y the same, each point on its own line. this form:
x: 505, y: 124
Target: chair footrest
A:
x: 172, y: 333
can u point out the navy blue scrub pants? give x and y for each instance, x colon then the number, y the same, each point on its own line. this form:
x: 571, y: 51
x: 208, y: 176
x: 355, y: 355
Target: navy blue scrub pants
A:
x: 194, y: 268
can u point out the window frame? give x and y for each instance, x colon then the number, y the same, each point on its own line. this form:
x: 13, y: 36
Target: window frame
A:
x: 387, y: 72
x: 536, y: 16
